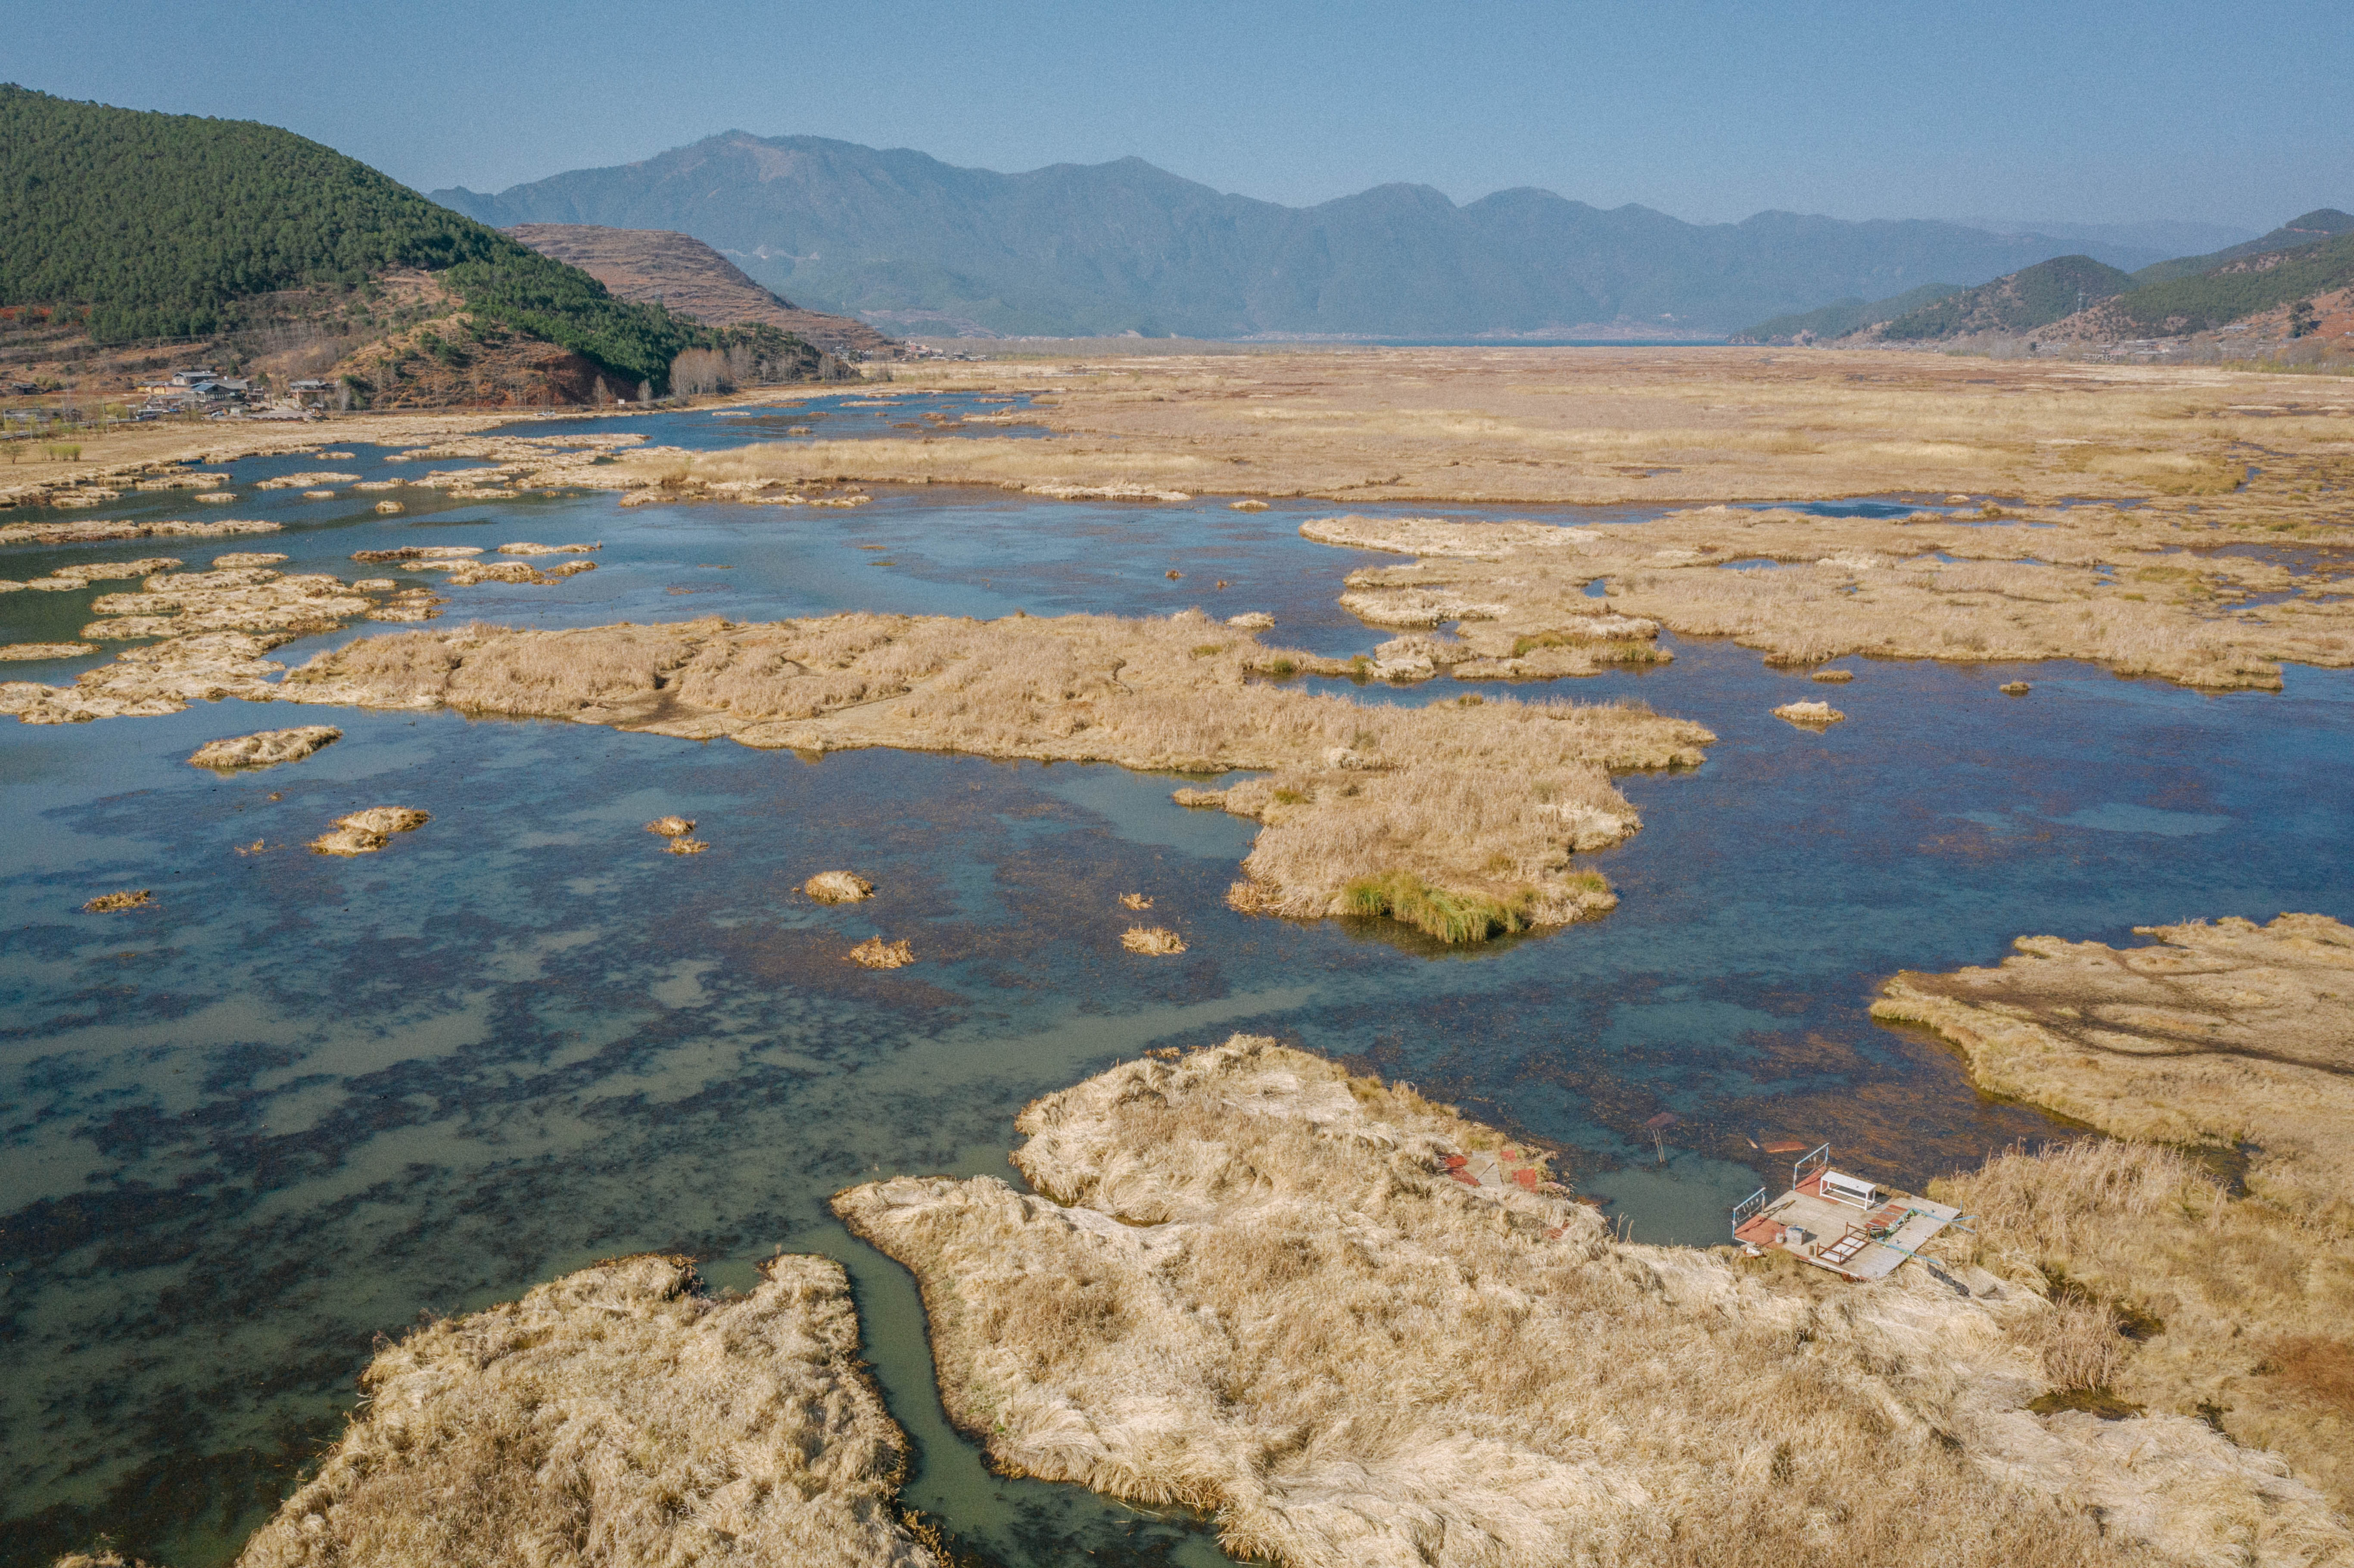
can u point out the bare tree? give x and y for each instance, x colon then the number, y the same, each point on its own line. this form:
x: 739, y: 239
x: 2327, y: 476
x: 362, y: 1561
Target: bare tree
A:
x: 697, y: 370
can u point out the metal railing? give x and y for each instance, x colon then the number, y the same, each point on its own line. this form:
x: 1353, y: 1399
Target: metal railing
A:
x: 1746, y: 1210
x: 1820, y: 1159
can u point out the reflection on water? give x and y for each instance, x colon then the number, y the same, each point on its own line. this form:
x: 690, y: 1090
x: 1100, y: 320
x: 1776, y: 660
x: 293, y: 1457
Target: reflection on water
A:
x: 299, y: 1100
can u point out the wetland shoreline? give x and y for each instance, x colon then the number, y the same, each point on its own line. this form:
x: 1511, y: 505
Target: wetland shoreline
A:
x: 2254, y: 1403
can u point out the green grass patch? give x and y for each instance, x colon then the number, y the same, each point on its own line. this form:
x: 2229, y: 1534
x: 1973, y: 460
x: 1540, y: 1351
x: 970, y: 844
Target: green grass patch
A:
x: 1440, y: 912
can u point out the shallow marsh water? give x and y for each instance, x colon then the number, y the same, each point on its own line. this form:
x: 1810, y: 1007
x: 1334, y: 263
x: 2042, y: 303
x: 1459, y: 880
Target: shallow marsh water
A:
x: 299, y: 1100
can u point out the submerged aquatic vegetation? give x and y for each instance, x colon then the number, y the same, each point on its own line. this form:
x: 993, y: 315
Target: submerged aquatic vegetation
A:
x: 1487, y: 802
x: 1247, y: 1282
x: 618, y: 1409
x: 2221, y: 1048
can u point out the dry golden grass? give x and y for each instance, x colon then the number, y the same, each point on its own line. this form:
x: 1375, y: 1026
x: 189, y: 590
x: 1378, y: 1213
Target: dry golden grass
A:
x: 672, y: 827
x: 2231, y: 1039
x: 2215, y: 1035
x: 266, y: 749
x: 1246, y: 1282
x: 838, y: 887
x: 143, y: 455
x: 366, y: 832
x: 109, y: 903
x: 1810, y: 716
x: 2114, y: 588
x: 615, y: 1416
x: 1586, y: 424
x: 1155, y: 939
x: 1480, y: 800
x: 215, y: 626
x: 875, y: 953
x: 1603, y: 425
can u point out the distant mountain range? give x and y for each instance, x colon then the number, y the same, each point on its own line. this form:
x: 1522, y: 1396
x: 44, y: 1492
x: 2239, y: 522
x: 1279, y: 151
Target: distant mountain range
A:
x: 915, y: 244
x: 2156, y: 236
x: 2305, y: 260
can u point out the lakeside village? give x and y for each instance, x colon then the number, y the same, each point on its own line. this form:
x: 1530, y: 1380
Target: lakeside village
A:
x: 195, y: 391
x: 201, y: 389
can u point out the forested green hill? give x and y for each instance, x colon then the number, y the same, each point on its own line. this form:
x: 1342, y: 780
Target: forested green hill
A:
x: 2033, y: 297
x: 2238, y: 289
x: 1842, y: 317
x: 159, y: 223
x: 2314, y: 227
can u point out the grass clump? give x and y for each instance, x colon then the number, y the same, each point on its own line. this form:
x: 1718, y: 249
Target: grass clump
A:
x: 1451, y: 917
x: 875, y: 953
x: 838, y: 887
x: 1154, y: 939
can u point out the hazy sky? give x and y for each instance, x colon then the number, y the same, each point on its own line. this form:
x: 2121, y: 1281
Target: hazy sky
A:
x: 2239, y: 113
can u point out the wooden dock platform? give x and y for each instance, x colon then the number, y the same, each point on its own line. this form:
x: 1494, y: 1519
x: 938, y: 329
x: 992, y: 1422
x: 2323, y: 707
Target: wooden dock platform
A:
x: 1856, y: 1229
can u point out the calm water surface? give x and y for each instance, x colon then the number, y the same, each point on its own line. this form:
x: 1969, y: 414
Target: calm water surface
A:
x: 301, y: 1100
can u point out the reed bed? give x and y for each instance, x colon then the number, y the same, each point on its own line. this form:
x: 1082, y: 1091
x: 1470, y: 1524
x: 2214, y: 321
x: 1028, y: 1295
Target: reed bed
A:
x: 2141, y: 596
x: 1587, y: 425
x: 1483, y: 802
x: 615, y: 1415
x: 1245, y: 1281
x: 2223, y: 1050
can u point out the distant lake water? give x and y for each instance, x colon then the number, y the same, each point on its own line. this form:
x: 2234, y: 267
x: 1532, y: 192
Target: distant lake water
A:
x: 300, y: 1100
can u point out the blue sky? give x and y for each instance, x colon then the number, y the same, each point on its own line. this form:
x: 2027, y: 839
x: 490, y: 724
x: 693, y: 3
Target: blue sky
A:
x: 2089, y: 112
